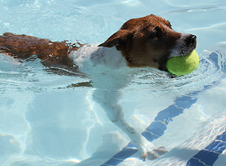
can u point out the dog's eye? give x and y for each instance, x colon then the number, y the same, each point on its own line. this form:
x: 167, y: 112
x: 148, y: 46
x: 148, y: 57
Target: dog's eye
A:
x: 156, y: 33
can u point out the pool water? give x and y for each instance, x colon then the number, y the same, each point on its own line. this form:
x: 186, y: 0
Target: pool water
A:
x: 49, y: 118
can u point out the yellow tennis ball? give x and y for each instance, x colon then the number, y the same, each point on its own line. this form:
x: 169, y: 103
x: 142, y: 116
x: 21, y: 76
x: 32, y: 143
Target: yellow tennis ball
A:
x: 183, y: 65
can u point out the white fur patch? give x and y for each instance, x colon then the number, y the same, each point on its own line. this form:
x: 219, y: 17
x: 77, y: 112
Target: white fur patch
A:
x: 92, y: 57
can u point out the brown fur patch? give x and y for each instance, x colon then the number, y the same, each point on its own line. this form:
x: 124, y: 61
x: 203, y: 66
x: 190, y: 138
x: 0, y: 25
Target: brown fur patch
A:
x: 51, y: 53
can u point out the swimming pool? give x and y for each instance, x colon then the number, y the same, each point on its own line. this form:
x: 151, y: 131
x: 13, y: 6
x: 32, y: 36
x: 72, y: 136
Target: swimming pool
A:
x: 45, y: 120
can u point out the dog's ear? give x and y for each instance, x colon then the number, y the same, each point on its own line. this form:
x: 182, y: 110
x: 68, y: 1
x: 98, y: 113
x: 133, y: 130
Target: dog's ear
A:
x: 119, y: 39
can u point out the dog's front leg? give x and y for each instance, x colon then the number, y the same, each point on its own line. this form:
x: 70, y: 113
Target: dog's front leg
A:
x: 109, y: 102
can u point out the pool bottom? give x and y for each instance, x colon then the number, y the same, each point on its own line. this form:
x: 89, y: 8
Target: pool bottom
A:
x: 205, y: 148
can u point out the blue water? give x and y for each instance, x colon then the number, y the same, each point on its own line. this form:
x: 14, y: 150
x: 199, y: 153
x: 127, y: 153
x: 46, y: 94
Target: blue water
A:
x: 44, y: 120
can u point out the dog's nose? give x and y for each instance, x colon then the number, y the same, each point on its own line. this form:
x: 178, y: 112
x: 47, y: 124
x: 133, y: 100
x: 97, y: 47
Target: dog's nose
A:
x: 191, y: 40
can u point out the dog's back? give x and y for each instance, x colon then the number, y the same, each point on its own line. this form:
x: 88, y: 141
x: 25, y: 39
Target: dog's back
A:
x: 50, y: 53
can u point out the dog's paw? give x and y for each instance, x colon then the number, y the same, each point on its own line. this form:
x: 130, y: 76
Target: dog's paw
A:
x: 153, y: 154
x: 149, y: 155
x: 161, y: 151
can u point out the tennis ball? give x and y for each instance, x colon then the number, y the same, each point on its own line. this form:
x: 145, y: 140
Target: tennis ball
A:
x: 182, y: 65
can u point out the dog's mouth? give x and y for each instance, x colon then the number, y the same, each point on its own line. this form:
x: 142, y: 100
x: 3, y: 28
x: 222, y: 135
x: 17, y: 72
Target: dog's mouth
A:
x: 178, y: 51
x: 162, y: 63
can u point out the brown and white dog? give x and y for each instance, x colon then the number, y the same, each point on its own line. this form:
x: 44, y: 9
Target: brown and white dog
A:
x: 146, y: 42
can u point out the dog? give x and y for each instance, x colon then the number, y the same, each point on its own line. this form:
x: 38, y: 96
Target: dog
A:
x: 146, y: 42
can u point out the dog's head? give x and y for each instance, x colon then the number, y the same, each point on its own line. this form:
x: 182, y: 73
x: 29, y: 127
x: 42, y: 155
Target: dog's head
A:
x: 150, y: 41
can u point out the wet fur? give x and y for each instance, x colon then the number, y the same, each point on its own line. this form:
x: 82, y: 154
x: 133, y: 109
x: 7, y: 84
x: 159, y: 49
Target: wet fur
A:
x: 50, y: 53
